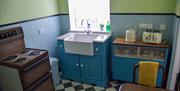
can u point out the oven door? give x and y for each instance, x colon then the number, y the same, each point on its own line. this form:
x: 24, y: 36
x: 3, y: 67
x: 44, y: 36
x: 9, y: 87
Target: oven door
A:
x: 44, y: 84
x: 34, y: 72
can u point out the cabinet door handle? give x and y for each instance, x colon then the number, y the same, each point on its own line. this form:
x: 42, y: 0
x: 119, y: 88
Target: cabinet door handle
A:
x: 77, y: 64
x: 61, y: 45
x: 96, y: 49
x: 81, y: 65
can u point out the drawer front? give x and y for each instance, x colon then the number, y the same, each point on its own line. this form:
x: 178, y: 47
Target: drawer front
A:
x: 35, y: 72
x: 46, y: 85
x: 98, y: 49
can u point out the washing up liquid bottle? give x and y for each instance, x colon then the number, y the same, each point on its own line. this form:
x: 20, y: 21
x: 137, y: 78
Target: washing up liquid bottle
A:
x: 108, y: 28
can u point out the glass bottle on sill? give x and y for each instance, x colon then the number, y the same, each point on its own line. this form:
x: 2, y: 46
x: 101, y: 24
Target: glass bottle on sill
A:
x: 108, y: 27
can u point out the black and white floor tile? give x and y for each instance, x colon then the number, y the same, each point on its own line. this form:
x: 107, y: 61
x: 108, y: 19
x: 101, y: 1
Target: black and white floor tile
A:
x: 69, y: 85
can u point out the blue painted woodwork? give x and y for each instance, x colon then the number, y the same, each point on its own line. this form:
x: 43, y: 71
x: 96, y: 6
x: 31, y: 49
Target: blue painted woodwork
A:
x: 91, y: 67
x: 122, y: 68
x: 88, y: 69
x: 122, y: 65
x: 70, y: 65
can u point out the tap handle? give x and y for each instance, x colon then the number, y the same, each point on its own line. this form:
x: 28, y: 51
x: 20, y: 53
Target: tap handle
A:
x: 89, y: 25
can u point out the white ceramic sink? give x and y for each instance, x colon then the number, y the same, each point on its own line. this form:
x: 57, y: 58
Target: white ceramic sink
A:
x: 81, y: 37
x: 79, y: 44
x: 82, y: 43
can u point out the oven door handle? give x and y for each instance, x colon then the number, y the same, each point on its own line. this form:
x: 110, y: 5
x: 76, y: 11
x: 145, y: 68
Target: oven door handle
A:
x: 36, y: 64
x: 40, y: 82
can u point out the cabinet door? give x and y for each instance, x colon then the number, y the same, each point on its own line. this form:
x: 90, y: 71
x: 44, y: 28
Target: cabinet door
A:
x: 91, y: 67
x: 160, y: 72
x: 122, y: 68
x: 70, y: 65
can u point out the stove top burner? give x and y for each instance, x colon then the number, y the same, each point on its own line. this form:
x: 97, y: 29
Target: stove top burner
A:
x: 20, y: 60
x: 10, y: 58
x: 33, y: 53
x: 25, y: 51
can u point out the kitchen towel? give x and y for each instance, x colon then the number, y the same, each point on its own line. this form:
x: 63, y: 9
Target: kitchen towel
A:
x: 148, y: 73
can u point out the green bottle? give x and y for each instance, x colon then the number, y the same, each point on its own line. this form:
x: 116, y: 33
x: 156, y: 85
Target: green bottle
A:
x: 108, y: 28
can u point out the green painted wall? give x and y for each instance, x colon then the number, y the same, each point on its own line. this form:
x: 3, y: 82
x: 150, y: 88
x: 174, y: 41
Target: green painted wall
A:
x: 134, y: 6
x: 142, y: 6
x: 63, y: 6
x: 177, y: 10
x: 19, y: 10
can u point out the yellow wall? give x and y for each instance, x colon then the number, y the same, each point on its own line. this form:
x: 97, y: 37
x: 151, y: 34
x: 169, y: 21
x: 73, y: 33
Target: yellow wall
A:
x: 63, y: 6
x: 177, y: 10
x: 142, y: 6
x: 19, y: 10
x: 134, y: 6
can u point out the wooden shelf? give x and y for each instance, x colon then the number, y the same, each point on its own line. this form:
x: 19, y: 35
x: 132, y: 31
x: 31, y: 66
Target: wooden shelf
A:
x: 126, y: 55
x: 121, y: 41
x: 147, y: 57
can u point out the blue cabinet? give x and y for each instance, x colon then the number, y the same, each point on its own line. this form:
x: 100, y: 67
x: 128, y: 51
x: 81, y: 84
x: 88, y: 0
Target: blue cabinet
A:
x: 70, y: 65
x: 122, y: 68
x: 126, y: 55
x: 89, y: 69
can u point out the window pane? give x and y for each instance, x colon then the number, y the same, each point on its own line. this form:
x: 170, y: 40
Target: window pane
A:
x: 95, y: 11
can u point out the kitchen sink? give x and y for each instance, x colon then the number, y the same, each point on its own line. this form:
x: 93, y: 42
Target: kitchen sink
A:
x: 81, y: 43
x: 81, y: 38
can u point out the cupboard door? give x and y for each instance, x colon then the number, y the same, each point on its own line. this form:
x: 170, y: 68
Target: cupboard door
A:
x: 122, y: 68
x: 160, y: 72
x: 70, y: 65
x: 90, y: 67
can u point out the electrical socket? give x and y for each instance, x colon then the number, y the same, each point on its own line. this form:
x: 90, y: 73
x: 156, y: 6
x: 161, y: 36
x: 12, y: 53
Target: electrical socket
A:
x: 162, y: 27
x: 149, y: 26
x: 142, y: 26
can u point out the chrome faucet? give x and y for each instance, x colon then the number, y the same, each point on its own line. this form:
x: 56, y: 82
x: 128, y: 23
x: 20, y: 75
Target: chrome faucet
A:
x: 88, y: 25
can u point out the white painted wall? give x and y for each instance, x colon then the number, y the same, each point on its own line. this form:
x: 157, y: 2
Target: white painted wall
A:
x: 176, y: 64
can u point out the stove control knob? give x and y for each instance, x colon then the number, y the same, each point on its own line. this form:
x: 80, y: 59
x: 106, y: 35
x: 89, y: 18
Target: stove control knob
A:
x: 6, y: 35
x: 10, y: 33
x: 14, y: 33
x: 2, y: 35
x: 18, y: 32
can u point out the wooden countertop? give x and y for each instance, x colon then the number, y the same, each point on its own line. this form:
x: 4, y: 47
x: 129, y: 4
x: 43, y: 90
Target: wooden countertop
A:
x: 121, y: 41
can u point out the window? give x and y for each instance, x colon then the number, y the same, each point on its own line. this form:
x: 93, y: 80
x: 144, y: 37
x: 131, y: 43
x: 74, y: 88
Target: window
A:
x: 94, y: 12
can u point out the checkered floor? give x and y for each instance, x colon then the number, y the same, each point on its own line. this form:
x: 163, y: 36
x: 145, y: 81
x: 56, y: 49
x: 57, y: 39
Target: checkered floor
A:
x: 68, y: 85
